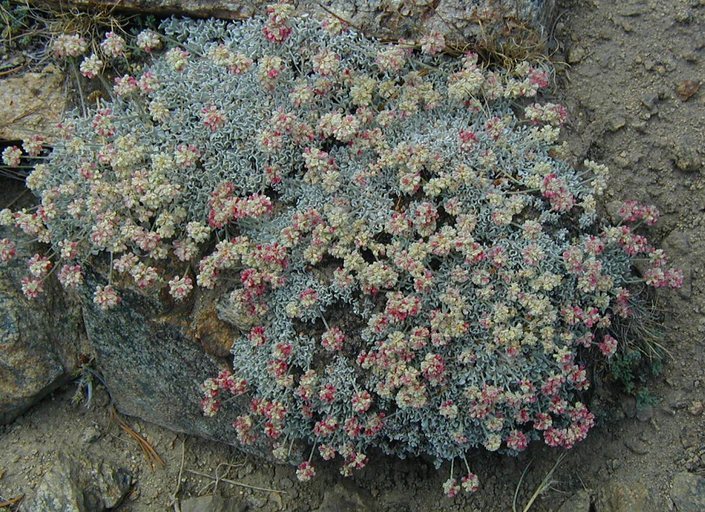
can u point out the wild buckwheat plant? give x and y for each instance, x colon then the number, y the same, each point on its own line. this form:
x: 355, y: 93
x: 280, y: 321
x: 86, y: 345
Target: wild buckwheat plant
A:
x: 411, y: 264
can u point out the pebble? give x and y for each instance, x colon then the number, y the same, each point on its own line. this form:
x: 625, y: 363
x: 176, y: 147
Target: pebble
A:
x: 636, y: 446
x: 650, y: 101
x: 696, y: 408
x: 575, y: 55
x: 616, y: 122
x: 628, y: 406
x: 687, y: 89
x: 685, y: 156
x: 91, y: 434
x: 286, y: 483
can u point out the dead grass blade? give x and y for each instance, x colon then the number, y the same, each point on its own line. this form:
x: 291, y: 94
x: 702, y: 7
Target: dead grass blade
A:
x: 540, y: 489
x: 149, y: 452
x: 12, y: 501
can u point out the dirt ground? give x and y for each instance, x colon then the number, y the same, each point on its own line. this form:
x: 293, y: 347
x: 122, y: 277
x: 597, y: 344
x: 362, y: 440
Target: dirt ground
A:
x: 625, y: 88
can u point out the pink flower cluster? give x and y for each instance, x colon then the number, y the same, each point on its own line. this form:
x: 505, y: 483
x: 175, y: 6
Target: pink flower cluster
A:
x: 225, y: 207
x: 276, y: 28
x: 214, y: 388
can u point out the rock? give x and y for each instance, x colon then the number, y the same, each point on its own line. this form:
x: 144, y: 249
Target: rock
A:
x: 650, y: 101
x: 79, y: 485
x: 683, y: 16
x: 256, y: 501
x: 696, y: 408
x: 628, y: 406
x: 688, y: 492
x: 91, y: 434
x: 581, y: 501
x: 345, y: 496
x: 636, y: 446
x: 104, y: 486
x: 685, y: 156
x: 152, y: 368
x: 286, y: 483
x: 615, y: 122
x: 58, y: 491
x: 467, y: 18
x: 37, y: 353
x: 644, y: 412
x: 213, y: 503
x: 576, y: 55
x: 31, y: 103
x: 687, y: 89
x: 619, y: 496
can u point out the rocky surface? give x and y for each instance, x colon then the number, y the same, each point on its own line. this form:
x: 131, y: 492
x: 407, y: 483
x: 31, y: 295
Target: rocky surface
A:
x: 32, y: 104
x: 79, y: 485
x: 688, y: 492
x: 37, y: 352
x: 150, y: 366
x: 458, y: 19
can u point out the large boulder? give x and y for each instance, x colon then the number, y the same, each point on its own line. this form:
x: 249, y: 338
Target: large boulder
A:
x: 40, y: 343
x: 458, y: 19
x: 152, y: 364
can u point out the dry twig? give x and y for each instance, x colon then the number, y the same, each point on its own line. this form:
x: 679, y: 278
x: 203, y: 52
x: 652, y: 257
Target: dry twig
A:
x: 233, y: 482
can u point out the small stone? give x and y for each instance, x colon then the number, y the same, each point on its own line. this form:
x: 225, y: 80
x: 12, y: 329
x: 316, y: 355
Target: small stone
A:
x: 696, y: 408
x: 683, y: 16
x: 256, y: 501
x: 639, y: 126
x: 685, y: 156
x: 688, y: 492
x: 621, y: 162
x: 644, y: 413
x: 616, y: 122
x: 628, y: 406
x: 650, y: 101
x: 581, y: 501
x: 690, y: 56
x: 576, y: 55
x: 344, y: 497
x: 91, y: 434
x: 631, y: 11
x: 687, y: 89
x: 636, y: 446
x: 286, y: 483
x: 59, y: 491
